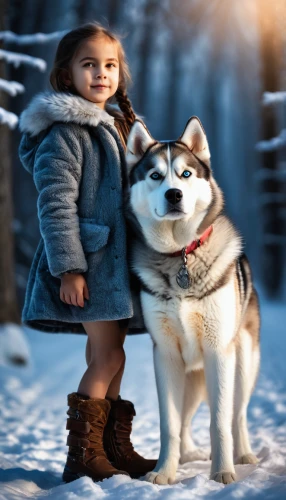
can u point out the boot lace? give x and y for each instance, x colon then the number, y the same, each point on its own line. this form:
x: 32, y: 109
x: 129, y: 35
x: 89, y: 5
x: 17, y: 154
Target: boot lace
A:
x: 122, y: 431
x: 96, y: 435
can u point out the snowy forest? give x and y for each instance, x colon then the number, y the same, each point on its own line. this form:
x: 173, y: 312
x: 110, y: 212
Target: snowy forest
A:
x: 218, y: 60
x: 221, y: 60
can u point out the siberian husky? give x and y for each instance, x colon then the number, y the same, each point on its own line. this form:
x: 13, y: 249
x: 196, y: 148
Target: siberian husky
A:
x: 197, y: 297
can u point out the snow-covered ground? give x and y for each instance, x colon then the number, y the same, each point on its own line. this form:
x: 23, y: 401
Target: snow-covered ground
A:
x: 32, y: 423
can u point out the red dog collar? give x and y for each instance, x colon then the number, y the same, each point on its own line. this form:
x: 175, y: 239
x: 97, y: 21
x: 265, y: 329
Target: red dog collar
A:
x: 194, y: 245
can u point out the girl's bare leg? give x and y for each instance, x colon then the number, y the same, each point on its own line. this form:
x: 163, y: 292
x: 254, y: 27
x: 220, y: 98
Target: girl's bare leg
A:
x: 87, y: 352
x: 114, y: 387
x: 105, y: 357
x: 123, y: 332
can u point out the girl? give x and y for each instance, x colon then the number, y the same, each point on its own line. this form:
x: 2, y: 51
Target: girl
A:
x: 78, y: 282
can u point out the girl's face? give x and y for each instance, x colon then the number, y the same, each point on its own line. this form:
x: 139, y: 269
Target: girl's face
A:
x: 95, y: 70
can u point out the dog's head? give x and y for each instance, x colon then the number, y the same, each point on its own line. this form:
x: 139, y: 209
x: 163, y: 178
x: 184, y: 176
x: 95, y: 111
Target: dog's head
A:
x: 171, y: 181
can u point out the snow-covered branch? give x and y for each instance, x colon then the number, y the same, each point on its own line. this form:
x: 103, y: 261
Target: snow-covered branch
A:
x: 14, y: 88
x: 8, y: 118
x: 11, y: 88
x: 273, y: 198
x: 17, y: 59
x: 273, y: 98
x: 265, y: 174
x: 278, y: 239
x: 10, y: 37
x: 273, y: 144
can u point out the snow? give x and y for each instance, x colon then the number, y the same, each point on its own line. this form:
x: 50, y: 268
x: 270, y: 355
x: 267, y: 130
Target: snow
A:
x: 17, y: 59
x: 32, y: 423
x: 8, y: 118
x: 276, y: 143
x: 11, y: 88
x: 268, y: 173
x: 273, y: 98
x: 273, y: 144
x: 10, y: 37
x: 13, y: 345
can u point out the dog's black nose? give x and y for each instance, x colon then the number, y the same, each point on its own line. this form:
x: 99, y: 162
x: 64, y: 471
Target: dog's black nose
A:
x: 173, y: 196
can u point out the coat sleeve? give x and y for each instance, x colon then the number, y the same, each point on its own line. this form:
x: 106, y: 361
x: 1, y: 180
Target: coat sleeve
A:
x: 57, y: 175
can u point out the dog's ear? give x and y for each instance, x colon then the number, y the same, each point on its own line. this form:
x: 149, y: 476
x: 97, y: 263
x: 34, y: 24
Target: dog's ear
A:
x: 139, y: 140
x: 195, y: 138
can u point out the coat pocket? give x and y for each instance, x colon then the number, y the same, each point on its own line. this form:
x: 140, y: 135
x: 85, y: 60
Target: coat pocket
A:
x: 93, y: 236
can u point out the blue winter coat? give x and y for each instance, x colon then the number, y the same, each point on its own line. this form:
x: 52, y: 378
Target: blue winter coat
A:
x: 72, y: 149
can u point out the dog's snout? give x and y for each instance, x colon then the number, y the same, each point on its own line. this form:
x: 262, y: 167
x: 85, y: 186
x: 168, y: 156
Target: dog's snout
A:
x: 173, y: 196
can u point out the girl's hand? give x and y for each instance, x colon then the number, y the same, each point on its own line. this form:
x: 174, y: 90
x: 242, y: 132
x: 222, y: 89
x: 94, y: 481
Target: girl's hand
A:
x: 73, y: 289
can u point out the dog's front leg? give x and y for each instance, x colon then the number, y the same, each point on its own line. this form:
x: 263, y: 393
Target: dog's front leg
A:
x: 169, y: 370
x: 219, y: 370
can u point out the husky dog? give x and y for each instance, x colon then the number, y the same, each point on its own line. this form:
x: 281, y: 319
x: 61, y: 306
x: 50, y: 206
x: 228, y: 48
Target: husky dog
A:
x: 197, y: 297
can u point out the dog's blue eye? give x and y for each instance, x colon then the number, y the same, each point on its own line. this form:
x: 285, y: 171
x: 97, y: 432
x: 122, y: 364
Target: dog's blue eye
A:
x: 186, y: 173
x: 155, y: 176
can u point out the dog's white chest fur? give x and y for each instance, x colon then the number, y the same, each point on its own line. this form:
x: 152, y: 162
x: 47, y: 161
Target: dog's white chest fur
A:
x: 190, y: 323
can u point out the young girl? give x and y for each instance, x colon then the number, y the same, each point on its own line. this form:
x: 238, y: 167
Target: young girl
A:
x: 78, y: 282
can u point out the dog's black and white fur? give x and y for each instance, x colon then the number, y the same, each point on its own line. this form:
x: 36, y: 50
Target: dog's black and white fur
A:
x: 206, y: 337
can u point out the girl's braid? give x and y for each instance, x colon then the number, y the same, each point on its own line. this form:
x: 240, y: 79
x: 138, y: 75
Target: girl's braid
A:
x: 126, y: 107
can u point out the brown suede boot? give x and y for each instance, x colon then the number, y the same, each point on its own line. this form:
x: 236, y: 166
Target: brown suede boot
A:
x: 116, y: 440
x: 86, y: 456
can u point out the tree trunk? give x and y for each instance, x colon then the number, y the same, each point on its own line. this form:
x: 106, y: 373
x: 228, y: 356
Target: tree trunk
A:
x: 87, y: 11
x: 114, y: 12
x: 9, y: 312
x: 144, y: 55
x: 271, y: 65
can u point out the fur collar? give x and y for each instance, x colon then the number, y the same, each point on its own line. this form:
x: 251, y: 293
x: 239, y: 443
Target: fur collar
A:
x: 49, y: 107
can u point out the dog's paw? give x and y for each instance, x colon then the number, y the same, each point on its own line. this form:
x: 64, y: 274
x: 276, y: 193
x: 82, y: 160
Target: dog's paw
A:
x: 197, y: 454
x: 249, y: 458
x: 224, y: 477
x: 156, y: 478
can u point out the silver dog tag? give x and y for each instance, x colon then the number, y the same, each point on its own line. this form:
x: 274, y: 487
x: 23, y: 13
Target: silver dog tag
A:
x: 183, y: 278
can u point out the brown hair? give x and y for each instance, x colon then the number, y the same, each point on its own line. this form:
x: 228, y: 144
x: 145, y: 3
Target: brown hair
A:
x: 66, y: 51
